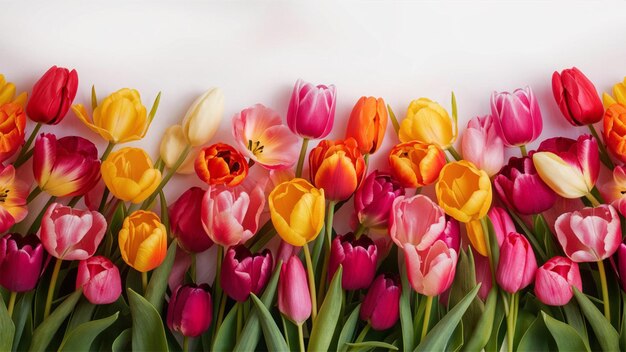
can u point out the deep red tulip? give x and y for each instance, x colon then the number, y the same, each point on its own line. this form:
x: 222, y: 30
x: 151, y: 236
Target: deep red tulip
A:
x: 382, y: 301
x: 20, y: 262
x: 52, y: 95
x: 244, y: 273
x: 186, y: 222
x: 358, y: 258
x: 190, y: 310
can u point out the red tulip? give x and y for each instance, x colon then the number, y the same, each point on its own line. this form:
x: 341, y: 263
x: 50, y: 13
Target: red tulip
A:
x: 358, y: 259
x: 517, y: 264
x: 100, y: 280
x: 20, y: 262
x: 52, y: 95
x: 577, y: 97
x: 244, y: 273
x: 294, y: 301
x: 185, y: 221
x: 190, y: 310
x: 381, y: 304
x: 554, y: 281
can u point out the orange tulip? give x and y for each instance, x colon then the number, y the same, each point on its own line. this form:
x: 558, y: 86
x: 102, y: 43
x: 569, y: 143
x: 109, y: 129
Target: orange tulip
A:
x: 337, y: 167
x: 615, y: 130
x: 143, y: 240
x: 367, y: 124
x: 12, y: 125
x: 416, y: 164
x: 221, y: 164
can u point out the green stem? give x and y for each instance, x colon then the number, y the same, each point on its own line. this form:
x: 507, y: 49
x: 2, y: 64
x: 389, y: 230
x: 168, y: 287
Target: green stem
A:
x: 592, y: 199
x: 11, y: 305
x: 26, y: 152
x: 522, y: 148
x: 394, y: 120
x: 359, y: 231
x: 301, y: 337
x: 107, y: 151
x: 53, y: 282
x: 511, y: 320
x: 604, y: 155
x: 33, y: 194
x: 185, y: 344
x: 305, y: 145
x: 429, y: 306
x: 454, y: 153
x: 168, y: 176
x: 33, y: 227
x: 363, y: 333
x: 605, y: 290
x: 311, y: 275
x: 144, y: 281
x: 220, y: 314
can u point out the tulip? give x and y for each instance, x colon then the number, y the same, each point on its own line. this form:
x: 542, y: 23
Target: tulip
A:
x: 66, y: 167
x: 577, y: 97
x: 358, y: 259
x: 143, y: 240
x: 203, y: 117
x: 367, y: 124
x: 7, y: 93
x: 337, y: 167
x: 570, y: 167
x: 190, y: 310
x: 381, y: 306
x: 451, y: 234
x: 173, y: 144
x: 244, y: 273
x: 12, y: 127
x: 554, y: 281
x: 619, y: 95
x: 482, y: 145
x: 416, y: 221
x: 516, y: 116
x: 614, y: 191
x: 130, y: 175
x: 589, y: 235
x: 71, y: 234
x: 615, y: 130
x: 99, y: 279
x: 517, y: 264
x: 520, y: 188
x: 415, y: 164
x: 428, y: 122
x: 373, y: 200
x: 621, y: 264
x: 311, y: 110
x: 502, y: 223
x: 262, y: 137
x: 294, y: 301
x: 13, y: 194
x: 221, y: 164
x: 432, y: 270
x: 20, y: 262
x: 231, y: 216
x: 52, y: 95
x: 463, y: 191
x: 119, y: 118
x: 185, y: 221
x: 297, y: 211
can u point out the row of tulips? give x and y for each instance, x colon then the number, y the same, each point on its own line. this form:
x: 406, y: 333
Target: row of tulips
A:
x: 251, y: 260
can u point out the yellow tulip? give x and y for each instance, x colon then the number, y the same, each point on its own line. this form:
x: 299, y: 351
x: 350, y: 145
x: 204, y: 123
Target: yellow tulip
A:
x: 297, y: 211
x: 428, y: 122
x: 119, y: 118
x: 143, y: 240
x: 172, y: 146
x: 464, y: 191
x: 619, y: 95
x: 7, y: 93
x: 476, y: 236
x: 130, y: 175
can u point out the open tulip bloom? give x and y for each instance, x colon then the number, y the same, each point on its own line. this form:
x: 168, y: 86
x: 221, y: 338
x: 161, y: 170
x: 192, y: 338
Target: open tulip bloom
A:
x: 425, y: 253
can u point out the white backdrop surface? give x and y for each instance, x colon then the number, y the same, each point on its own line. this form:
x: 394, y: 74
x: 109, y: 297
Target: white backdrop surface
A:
x: 255, y: 51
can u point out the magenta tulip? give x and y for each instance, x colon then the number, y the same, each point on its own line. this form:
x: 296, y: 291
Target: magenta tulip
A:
x: 519, y: 187
x: 516, y: 116
x: 589, y: 235
x: 185, y: 221
x: 52, y: 95
x: 517, y: 264
x: 381, y: 304
x: 294, y: 300
x: 100, y: 280
x: 554, y: 281
x: 190, y: 310
x: 502, y: 223
x: 311, y: 110
x: 373, y: 200
x: 451, y: 234
x: 482, y: 145
x: 577, y: 97
x: 71, y: 234
x: 417, y: 221
x: 358, y: 259
x: 20, y: 262
x: 430, y: 271
x: 244, y: 273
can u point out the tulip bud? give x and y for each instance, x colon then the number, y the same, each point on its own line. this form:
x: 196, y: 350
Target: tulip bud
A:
x: 554, y: 281
x: 294, y: 300
x: 143, y: 240
x: 415, y: 164
x: 380, y: 308
x: 100, y: 280
x: 337, y: 167
x: 428, y: 122
x: 172, y: 145
x: 203, y: 117
x: 367, y: 124
x: 190, y: 310
x: 185, y: 222
x: 416, y: 220
x: 430, y: 271
x: 517, y: 116
x: 577, y: 97
x: 373, y: 200
x: 20, y: 262
x: 311, y: 110
x: 244, y: 273
x: 13, y: 122
x: 221, y: 164
x: 517, y: 264
x: 463, y: 191
x: 52, y: 95
x: 358, y: 259
x: 482, y: 145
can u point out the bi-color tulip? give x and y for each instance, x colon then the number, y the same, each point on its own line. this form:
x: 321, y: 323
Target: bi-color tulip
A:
x: 415, y: 164
x: 13, y: 194
x: 416, y: 221
x: 516, y: 116
x: 381, y: 305
x: 577, y: 97
x: 143, y: 240
x: 130, y: 174
x: 358, y: 259
x: 614, y: 191
x: 430, y: 271
x: 100, y: 280
x: 294, y: 300
x: 311, y: 110
x: 367, y: 124
x: 338, y: 167
x: 52, y: 95
x: 482, y: 145
x: 12, y: 129
x: 517, y: 265
x: 185, y: 221
x: 21, y: 259
x: 428, y: 122
x: 221, y: 164
x: 244, y: 273
x: 190, y: 310
x: 554, y: 281
x: 463, y: 191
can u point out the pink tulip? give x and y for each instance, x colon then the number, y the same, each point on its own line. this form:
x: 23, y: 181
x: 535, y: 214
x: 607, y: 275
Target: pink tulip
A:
x: 417, y: 221
x: 373, y: 200
x: 100, y: 280
x: 311, y: 110
x: 244, y: 273
x: 621, y: 264
x: 519, y: 187
x: 185, y: 221
x: 577, y: 97
x: 482, y: 270
x: 589, y: 235
x: 381, y: 304
x: 262, y: 137
x: 502, y: 223
x: 614, y: 191
x: 71, y: 234
x: 52, y: 95
x: 294, y: 300
x: 231, y: 216
x: 190, y: 310
x: 430, y: 271
x: 451, y: 235
x: 482, y: 145
x: 517, y: 264
x: 20, y: 262
x: 554, y: 281
x: 358, y: 259
x: 516, y: 116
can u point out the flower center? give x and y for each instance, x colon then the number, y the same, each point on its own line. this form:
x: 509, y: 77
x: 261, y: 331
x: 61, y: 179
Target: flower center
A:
x: 4, y: 194
x: 255, y: 147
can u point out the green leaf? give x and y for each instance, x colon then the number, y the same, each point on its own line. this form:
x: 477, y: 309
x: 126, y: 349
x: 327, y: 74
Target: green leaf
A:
x: 456, y: 340
x: 455, y: 115
x: 347, y: 332
x: 566, y: 337
x: 45, y: 332
x: 438, y: 337
x: 575, y: 319
x: 81, y: 314
x: 368, y: 345
x: 274, y: 339
x: 155, y: 107
x: 165, y: 216
x: 82, y: 337
x: 21, y: 314
x: 607, y: 336
x: 148, y: 333
x: 537, y: 337
x: 464, y: 281
x: 227, y: 334
x: 94, y: 98
x: 155, y: 292
x: 622, y: 335
x: 326, y: 321
x: 497, y: 331
x: 291, y: 333
x: 7, y: 328
x: 122, y: 342
x: 482, y: 332
x: 406, y: 321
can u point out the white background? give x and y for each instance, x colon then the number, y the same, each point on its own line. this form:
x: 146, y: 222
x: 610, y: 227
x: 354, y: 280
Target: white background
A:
x: 256, y: 51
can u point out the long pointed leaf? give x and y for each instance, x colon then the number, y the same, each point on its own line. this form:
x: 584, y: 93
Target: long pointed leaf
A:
x: 565, y: 336
x: 607, y: 337
x: 482, y: 332
x: 347, y: 332
x: 226, y: 336
x: 326, y: 321
x: 82, y: 336
x: 274, y: 339
x: 7, y: 328
x: 406, y: 321
x: 45, y: 332
x: 155, y: 291
x: 21, y: 314
x: 148, y: 333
